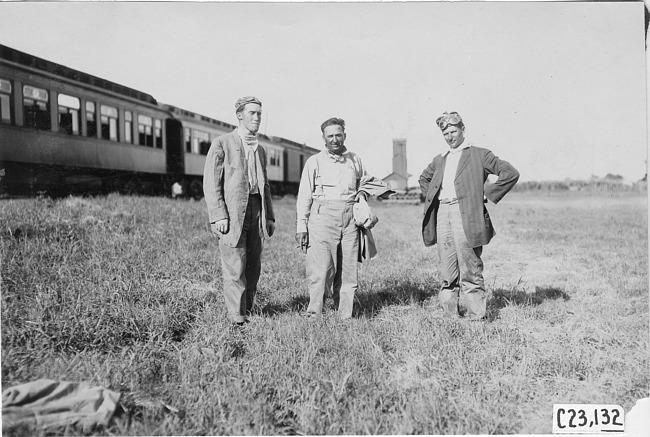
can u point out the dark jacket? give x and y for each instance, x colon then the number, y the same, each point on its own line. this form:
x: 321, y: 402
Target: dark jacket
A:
x: 474, y: 166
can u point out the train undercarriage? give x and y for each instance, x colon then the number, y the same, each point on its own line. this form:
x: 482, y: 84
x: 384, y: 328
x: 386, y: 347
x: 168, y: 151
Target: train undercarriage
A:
x: 21, y: 179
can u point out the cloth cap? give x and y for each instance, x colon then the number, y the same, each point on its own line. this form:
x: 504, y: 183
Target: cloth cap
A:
x: 243, y: 101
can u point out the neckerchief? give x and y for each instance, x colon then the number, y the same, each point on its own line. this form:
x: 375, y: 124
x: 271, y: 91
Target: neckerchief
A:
x: 251, y: 143
x: 249, y: 139
x: 337, y: 158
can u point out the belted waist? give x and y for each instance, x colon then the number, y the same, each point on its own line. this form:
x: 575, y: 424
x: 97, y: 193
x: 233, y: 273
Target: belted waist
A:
x: 448, y: 201
x: 334, y: 202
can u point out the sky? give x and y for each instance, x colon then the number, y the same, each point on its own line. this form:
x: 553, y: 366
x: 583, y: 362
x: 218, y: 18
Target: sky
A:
x: 558, y: 89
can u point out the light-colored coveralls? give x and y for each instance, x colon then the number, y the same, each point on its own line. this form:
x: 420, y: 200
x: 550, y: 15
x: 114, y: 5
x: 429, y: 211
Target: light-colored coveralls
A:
x: 456, y: 218
x: 230, y: 195
x: 327, y: 193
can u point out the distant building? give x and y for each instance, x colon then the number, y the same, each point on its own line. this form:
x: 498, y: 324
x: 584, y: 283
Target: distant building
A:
x: 398, y: 179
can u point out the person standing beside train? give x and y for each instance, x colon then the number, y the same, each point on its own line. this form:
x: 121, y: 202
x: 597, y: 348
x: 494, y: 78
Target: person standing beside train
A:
x: 238, y: 197
x: 456, y: 218
x: 331, y: 183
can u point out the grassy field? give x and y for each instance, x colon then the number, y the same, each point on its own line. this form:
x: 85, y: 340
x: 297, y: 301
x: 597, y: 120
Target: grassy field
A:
x: 125, y: 292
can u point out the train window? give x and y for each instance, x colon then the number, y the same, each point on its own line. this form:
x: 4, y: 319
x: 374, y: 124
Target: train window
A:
x: 204, y: 146
x: 188, y: 139
x: 157, y: 133
x: 91, y: 121
x: 144, y: 131
x: 128, y: 126
x: 274, y: 157
x: 200, y: 142
x: 37, y: 108
x: 69, y: 114
x: 5, y: 101
x: 108, y: 118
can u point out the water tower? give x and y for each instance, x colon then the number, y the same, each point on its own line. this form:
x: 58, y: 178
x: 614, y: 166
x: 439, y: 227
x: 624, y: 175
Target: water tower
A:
x: 398, y: 179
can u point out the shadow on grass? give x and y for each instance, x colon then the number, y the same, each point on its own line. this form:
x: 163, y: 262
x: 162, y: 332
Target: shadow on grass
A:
x: 369, y: 303
x: 394, y: 293
x: 297, y: 304
x: 503, y: 297
x: 366, y: 303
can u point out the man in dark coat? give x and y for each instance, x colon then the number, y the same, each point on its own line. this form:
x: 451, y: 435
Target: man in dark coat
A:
x: 455, y: 215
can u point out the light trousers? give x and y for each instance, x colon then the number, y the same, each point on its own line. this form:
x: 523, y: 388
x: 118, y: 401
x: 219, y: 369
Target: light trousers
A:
x: 332, y: 256
x: 241, y: 265
x: 463, y: 291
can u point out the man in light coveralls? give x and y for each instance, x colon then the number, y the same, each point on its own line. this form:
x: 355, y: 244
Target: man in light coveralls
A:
x: 456, y: 218
x: 331, y: 183
x: 238, y: 197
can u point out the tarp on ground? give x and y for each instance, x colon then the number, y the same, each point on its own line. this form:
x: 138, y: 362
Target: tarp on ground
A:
x: 46, y: 403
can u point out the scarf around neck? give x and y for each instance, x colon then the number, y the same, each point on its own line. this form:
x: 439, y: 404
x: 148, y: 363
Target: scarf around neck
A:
x: 249, y: 139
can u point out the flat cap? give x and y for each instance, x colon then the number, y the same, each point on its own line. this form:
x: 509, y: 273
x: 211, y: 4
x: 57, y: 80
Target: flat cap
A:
x: 243, y: 101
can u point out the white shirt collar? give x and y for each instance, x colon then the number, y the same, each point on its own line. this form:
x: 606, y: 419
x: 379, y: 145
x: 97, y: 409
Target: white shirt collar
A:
x: 337, y: 158
x: 466, y: 145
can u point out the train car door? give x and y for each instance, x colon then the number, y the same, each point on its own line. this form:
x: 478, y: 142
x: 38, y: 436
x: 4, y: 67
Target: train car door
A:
x: 175, y: 156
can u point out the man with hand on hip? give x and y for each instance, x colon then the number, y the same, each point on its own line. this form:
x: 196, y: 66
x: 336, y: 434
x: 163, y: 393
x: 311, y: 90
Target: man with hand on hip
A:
x: 238, y: 197
x: 456, y: 218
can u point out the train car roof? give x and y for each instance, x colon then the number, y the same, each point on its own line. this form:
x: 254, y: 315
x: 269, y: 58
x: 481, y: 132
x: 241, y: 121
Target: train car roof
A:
x: 198, y: 117
x: 193, y: 115
x: 22, y: 58
x: 295, y: 144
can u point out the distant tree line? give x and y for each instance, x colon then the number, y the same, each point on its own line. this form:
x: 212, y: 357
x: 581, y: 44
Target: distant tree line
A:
x: 610, y: 182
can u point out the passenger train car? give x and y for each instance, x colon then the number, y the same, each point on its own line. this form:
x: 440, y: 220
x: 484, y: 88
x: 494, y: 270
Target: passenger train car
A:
x: 63, y: 131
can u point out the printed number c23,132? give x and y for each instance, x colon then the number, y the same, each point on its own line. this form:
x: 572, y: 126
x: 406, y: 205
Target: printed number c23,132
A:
x: 576, y: 418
